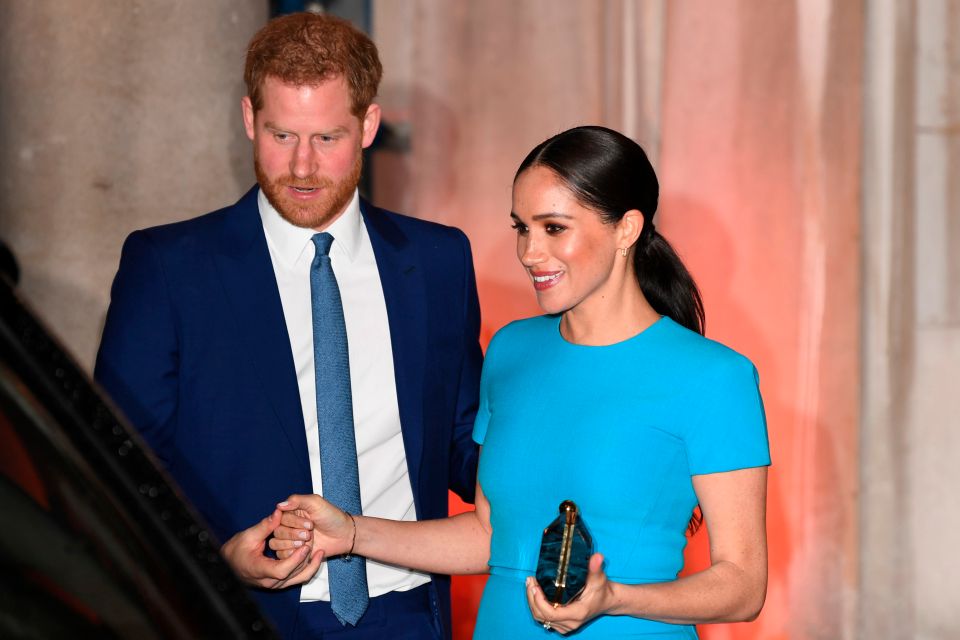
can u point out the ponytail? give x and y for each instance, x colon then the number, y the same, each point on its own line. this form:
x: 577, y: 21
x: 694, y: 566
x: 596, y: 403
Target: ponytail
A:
x: 666, y: 283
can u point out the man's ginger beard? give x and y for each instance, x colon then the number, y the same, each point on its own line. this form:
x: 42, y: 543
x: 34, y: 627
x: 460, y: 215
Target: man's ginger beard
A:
x: 334, y: 196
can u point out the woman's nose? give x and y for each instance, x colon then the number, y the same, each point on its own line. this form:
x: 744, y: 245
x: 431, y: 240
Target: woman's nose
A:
x: 530, y: 253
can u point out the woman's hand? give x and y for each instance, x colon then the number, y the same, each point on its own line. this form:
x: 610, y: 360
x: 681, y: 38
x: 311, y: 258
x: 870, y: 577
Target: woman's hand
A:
x: 309, y: 519
x: 597, y: 599
x: 244, y: 553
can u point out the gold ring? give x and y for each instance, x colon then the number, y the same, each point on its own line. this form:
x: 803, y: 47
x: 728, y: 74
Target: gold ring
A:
x: 556, y: 604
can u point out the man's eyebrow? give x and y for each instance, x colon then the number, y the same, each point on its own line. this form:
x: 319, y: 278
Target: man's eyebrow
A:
x: 336, y: 130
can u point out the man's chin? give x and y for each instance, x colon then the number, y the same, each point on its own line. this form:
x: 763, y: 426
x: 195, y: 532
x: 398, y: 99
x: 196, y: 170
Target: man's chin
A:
x: 314, y: 217
x: 308, y: 218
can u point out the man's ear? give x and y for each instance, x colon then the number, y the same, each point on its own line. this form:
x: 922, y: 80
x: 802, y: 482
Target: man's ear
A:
x: 248, y: 116
x: 370, y: 124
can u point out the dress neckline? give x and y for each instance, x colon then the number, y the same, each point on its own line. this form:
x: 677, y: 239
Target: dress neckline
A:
x: 642, y: 335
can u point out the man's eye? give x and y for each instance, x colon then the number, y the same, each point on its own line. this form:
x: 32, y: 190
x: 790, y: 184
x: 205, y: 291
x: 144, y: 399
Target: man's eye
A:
x: 282, y: 137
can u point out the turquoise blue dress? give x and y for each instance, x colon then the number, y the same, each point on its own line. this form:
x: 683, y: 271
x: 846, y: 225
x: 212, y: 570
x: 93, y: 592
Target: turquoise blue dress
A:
x: 618, y: 429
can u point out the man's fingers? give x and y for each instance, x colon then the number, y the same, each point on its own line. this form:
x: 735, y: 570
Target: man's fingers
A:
x: 265, y: 527
x: 281, y: 570
x: 309, y: 569
x: 304, y: 569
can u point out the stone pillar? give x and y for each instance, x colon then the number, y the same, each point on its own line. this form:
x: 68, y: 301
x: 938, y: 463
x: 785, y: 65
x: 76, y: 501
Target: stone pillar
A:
x: 910, y: 576
x: 114, y: 116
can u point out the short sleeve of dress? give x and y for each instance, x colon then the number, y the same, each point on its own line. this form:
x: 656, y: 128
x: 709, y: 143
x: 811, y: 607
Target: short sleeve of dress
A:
x: 730, y: 431
x: 483, y: 412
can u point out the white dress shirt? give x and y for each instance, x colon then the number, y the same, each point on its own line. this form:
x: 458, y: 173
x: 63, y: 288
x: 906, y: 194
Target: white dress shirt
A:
x: 385, y: 490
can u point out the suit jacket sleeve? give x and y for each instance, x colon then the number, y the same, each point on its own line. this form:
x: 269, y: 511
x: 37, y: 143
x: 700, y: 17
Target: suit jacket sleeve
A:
x: 464, y: 451
x: 137, y: 363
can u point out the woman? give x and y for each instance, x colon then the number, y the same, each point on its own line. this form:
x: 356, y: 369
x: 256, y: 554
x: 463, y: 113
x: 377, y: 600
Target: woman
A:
x: 614, y: 400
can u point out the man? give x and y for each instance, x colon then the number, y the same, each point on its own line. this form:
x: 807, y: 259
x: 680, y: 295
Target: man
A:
x: 303, y: 341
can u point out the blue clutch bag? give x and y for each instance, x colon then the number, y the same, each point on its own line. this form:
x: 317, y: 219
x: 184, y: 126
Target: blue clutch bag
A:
x: 565, y: 552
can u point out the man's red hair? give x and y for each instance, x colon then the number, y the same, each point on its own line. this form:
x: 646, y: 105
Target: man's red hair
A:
x: 308, y: 49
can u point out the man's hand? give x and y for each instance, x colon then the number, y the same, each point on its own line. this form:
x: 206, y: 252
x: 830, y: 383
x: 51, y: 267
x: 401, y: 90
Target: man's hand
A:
x: 244, y: 553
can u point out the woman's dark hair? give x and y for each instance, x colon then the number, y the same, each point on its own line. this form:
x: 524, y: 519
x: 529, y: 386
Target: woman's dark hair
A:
x: 609, y: 173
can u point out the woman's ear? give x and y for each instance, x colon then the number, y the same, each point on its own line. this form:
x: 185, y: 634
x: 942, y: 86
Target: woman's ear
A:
x: 629, y: 228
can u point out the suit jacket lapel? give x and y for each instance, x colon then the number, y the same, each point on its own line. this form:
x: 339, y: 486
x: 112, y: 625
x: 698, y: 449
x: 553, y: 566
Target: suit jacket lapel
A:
x: 246, y: 272
x: 403, y: 290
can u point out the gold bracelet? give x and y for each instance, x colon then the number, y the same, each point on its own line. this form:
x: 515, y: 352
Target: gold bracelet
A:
x: 353, y: 542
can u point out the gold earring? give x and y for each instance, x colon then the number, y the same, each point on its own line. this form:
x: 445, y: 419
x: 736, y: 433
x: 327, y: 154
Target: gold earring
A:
x: 623, y: 252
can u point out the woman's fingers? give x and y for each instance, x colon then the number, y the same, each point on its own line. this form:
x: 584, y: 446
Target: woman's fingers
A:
x: 279, y: 544
x: 287, y: 532
x: 560, y: 618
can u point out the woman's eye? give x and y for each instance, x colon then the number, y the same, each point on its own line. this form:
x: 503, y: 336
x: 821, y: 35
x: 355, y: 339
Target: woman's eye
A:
x: 554, y: 229
x: 521, y: 228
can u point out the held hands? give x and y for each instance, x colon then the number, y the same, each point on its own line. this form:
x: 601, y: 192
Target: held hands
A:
x: 244, y: 553
x: 597, y: 599
x: 309, y: 519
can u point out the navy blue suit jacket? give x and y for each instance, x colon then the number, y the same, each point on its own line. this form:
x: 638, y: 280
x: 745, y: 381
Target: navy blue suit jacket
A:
x: 195, y: 351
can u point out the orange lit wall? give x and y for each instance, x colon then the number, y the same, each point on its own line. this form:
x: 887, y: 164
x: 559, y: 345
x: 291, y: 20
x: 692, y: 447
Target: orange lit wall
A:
x: 756, y: 139
x: 760, y: 170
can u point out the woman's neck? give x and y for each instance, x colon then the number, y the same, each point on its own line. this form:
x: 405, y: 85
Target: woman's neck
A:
x: 608, y: 318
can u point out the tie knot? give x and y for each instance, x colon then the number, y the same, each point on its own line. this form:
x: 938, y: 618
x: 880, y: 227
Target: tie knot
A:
x: 322, y: 242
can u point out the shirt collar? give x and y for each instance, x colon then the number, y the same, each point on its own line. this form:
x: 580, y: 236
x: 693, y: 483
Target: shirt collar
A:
x: 291, y: 242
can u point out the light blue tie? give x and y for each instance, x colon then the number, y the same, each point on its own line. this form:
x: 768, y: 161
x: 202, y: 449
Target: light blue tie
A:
x: 338, y: 445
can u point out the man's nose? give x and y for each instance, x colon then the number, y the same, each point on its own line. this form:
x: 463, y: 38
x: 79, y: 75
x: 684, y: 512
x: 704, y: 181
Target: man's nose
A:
x: 304, y: 162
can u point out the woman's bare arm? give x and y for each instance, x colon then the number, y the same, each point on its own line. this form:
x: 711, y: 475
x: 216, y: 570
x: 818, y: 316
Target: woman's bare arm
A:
x: 455, y: 545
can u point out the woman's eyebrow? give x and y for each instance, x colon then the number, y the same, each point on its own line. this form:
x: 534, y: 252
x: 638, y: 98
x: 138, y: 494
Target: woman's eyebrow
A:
x: 542, y: 216
x: 552, y: 214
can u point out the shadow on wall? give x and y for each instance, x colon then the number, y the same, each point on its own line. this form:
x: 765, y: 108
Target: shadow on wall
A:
x: 418, y: 174
x: 413, y: 171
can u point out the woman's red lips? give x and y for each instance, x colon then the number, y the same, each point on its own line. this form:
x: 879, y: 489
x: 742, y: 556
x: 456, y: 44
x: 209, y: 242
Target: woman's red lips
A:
x: 545, y: 279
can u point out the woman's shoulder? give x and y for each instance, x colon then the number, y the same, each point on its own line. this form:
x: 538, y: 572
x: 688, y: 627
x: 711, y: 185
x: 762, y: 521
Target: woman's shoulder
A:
x: 689, y: 348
